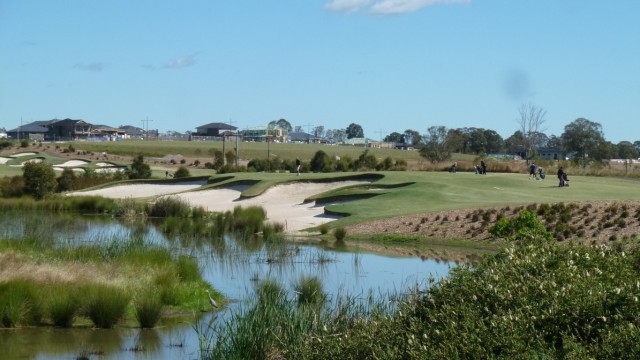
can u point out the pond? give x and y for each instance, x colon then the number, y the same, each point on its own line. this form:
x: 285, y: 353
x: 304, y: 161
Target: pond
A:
x: 231, y: 267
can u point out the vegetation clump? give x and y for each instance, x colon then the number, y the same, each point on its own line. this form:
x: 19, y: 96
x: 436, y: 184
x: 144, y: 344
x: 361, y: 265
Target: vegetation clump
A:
x: 532, y: 299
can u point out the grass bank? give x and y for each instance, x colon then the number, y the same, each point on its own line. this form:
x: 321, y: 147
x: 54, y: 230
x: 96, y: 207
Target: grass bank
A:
x: 125, y: 283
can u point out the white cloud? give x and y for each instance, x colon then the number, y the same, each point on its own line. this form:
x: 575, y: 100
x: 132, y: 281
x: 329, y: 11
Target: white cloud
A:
x: 93, y: 67
x: 346, y: 5
x: 181, y: 62
x: 387, y: 7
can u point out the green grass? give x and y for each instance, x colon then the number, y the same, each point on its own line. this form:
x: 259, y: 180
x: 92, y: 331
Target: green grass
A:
x: 405, y: 193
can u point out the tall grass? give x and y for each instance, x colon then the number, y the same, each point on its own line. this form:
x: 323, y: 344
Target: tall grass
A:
x: 63, y: 304
x: 20, y: 303
x: 169, y: 206
x: 309, y: 291
x: 105, y: 304
x: 148, y: 307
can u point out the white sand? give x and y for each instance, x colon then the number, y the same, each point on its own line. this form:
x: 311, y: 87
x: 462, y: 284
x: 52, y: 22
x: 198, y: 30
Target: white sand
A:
x: 23, y: 154
x: 283, y: 203
x: 78, y: 170
x: 141, y: 190
x: 3, y: 160
x: 72, y: 163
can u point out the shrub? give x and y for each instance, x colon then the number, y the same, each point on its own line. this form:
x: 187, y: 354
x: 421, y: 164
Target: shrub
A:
x: 169, y: 206
x: 138, y: 169
x: 182, y: 172
x: 39, y: 179
x: 324, y: 229
x: 321, y: 162
x: 340, y: 233
x: 66, y: 180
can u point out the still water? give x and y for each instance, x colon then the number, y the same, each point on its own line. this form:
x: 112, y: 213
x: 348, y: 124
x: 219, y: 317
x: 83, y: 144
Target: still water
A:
x: 231, y: 267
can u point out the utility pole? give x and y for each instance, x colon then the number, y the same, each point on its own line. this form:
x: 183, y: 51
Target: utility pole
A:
x: 380, y: 132
x: 145, y: 126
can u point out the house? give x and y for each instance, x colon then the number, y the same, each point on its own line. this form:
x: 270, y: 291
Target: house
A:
x: 107, y: 132
x: 3, y: 133
x: 303, y: 137
x: 132, y: 132
x: 263, y: 133
x: 362, y: 142
x: 215, y: 129
x: 52, y: 130
x: 549, y: 153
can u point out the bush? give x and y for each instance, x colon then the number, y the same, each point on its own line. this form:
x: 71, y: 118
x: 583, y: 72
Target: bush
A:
x: 321, y: 162
x: 66, y: 180
x: 39, y: 179
x: 182, y: 172
x: 340, y: 233
x: 12, y: 187
x: 138, y: 169
x: 169, y: 206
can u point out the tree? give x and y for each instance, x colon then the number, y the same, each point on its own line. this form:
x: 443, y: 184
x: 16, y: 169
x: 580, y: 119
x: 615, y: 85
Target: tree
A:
x: 394, y: 137
x: 531, y: 120
x: 494, y: 142
x: 585, y: 138
x: 321, y: 162
x: 336, y: 135
x: 285, y: 126
x: 412, y: 137
x: 138, y: 169
x: 436, y: 148
x: 66, y: 180
x: 354, y: 131
x: 626, y: 150
x: 318, y: 131
x: 39, y: 179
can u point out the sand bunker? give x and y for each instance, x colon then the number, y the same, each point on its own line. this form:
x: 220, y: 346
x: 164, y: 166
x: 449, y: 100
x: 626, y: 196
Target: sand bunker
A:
x: 24, y: 154
x: 141, y: 190
x: 283, y: 203
x: 72, y: 163
x: 3, y: 160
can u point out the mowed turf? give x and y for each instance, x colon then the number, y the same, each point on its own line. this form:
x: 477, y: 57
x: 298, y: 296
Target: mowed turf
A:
x: 426, y: 192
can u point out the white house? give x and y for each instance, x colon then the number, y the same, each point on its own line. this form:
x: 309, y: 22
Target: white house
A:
x: 3, y: 133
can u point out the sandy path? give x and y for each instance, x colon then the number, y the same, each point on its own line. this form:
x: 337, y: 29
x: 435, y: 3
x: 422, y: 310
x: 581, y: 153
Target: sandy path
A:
x: 283, y: 203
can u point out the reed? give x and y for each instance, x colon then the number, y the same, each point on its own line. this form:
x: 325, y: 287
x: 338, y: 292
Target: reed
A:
x: 20, y: 303
x: 169, y: 206
x: 105, y: 304
x: 148, y: 307
x: 63, y: 304
x: 309, y: 291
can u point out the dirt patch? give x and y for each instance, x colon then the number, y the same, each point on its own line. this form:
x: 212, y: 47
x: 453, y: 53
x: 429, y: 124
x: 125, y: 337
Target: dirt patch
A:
x: 601, y: 222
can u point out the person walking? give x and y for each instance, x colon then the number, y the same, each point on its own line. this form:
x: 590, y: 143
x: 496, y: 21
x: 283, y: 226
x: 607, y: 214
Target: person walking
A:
x: 297, y: 167
x: 484, y: 167
x: 532, y: 171
x: 561, y: 176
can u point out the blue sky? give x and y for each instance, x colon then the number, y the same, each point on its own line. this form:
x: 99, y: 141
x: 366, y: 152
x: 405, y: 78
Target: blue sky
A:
x: 388, y: 65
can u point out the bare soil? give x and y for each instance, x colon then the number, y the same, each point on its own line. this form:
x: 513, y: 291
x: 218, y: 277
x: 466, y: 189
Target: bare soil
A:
x: 602, y: 222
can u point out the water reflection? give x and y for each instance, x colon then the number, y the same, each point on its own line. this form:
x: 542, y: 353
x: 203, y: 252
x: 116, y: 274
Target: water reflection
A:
x: 233, y: 267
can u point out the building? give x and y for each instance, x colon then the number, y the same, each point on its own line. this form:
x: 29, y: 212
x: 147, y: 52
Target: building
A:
x: 263, y: 133
x: 3, y: 133
x: 52, y: 130
x: 215, y: 129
